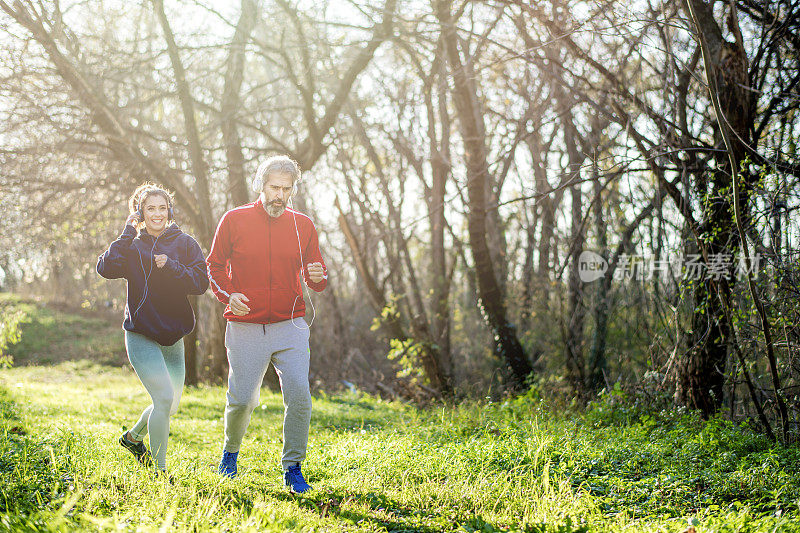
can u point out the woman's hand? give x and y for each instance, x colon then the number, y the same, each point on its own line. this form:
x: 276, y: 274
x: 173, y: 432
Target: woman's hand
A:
x: 161, y: 260
x: 133, y: 220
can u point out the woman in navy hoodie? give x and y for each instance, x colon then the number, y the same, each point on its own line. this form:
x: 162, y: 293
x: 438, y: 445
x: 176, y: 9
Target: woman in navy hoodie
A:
x: 162, y: 266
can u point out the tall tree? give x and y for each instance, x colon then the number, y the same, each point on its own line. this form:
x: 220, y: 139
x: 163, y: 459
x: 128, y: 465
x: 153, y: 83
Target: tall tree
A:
x: 470, y: 117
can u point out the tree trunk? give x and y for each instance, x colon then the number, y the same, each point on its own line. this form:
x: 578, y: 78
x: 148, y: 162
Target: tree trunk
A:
x: 234, y: 77
x: 507, y: 346
x: 597, y: 357
x: 531, y: 279
x: 440, y: 170
x: 701, y: 372
x: 575, y: 306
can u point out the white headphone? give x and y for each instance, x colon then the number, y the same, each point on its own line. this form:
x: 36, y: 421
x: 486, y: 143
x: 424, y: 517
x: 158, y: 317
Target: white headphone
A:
x: 281, y: 164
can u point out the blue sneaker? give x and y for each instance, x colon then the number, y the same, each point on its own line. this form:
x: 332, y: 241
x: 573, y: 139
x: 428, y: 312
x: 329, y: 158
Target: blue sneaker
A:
x: 293, y: 478
x: 227, y: 467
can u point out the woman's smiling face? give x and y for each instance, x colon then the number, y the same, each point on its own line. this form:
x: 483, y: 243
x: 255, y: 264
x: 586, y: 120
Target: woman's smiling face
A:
x: 156, y: 214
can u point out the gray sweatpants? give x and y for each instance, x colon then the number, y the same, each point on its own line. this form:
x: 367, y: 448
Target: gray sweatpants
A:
x: 250, y: 348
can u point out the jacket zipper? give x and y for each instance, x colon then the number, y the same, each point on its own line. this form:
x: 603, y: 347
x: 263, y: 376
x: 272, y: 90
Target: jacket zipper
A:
x: 269, y: 267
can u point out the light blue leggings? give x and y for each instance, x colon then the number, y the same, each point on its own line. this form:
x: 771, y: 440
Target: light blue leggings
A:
x: 162, y: 370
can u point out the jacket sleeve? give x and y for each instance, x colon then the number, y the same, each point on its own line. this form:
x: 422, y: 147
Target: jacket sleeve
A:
x: 217, y: 262
x: 191, y: 272
x: 312, y: 255
x: 113, y: 263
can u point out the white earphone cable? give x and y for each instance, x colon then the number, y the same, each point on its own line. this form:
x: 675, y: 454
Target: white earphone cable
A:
x: 302, y: 278
x: 146, y: 277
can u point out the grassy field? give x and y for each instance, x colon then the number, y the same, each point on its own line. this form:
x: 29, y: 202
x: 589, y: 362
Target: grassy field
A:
x: 517, y: 465
x: 50, y: 334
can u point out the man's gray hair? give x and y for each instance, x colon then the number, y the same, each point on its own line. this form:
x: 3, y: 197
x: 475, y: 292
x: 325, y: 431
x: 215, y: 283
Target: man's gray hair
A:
x: 278, y: 164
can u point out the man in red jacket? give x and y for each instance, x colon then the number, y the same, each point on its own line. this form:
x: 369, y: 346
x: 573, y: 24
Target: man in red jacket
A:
x: 259, y: 252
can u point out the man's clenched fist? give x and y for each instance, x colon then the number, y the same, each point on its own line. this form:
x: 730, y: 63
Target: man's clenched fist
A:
x: 236, y: 302
x: 315, y: 272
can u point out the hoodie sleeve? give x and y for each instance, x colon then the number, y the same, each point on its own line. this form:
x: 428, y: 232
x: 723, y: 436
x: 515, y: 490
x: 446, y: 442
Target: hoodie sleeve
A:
x: 191, y: 272
x: 313, y: 255
x: 113, y: 263
x: 217, y: 262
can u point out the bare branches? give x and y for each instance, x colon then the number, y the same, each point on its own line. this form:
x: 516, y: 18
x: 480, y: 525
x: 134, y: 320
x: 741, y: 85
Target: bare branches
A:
x: 190, y: 124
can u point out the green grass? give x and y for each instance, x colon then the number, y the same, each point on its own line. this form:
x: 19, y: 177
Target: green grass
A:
x: 377, y: 466
x: 51, y: 335
x: 518, y: 465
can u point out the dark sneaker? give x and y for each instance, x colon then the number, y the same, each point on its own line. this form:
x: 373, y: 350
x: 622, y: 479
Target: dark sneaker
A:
x: 227, y: 466
x: 165, y: 475
x: 138, y: 450
x: 293, y: 478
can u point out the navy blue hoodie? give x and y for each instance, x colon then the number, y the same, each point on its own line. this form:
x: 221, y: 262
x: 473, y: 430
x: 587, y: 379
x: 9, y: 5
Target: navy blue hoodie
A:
x: 162, y: 312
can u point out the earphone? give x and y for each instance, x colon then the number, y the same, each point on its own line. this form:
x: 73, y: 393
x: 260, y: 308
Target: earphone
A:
x: 302, y: 264
x: 140, y: 214
x: 146, y: 278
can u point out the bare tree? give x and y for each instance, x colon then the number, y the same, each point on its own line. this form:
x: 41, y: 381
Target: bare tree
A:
x: 127, y: 124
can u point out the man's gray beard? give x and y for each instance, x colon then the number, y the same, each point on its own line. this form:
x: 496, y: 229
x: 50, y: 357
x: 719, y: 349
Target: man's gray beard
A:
x: 275, y: 210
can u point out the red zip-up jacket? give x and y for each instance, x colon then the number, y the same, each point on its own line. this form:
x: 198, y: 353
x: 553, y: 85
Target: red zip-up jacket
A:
x: 259, y: 256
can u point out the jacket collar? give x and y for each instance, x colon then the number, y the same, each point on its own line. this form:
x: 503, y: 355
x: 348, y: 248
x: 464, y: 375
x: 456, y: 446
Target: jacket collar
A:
x: 169, y: 233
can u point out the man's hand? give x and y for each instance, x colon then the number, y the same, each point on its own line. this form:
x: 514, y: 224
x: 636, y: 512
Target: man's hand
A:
x: 161, y: 260
x: 236, y: 302
x: 315, y: 272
